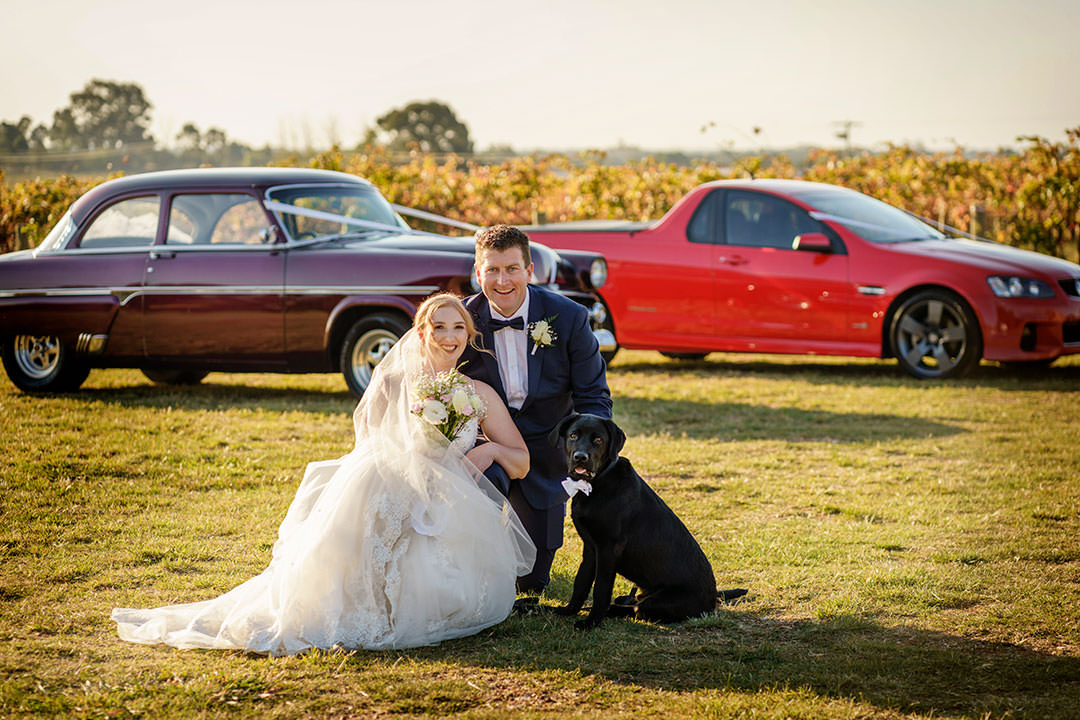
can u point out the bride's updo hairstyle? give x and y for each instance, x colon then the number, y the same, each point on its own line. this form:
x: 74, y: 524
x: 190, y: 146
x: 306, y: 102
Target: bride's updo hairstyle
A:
x: 422, y: 319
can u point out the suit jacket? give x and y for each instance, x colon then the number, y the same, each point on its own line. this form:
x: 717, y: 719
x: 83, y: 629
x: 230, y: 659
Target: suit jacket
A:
x: 569, y: 375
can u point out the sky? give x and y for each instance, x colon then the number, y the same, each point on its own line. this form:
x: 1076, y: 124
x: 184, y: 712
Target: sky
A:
x: 565, y: 74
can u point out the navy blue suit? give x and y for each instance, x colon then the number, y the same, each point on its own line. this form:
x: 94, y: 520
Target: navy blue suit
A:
x: 565, y: 377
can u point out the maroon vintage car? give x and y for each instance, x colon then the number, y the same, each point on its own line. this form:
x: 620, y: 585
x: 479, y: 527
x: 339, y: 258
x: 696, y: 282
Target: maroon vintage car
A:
x: 250, y: 269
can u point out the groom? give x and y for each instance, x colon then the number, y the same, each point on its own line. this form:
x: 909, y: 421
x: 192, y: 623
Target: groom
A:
x: 542, y: 377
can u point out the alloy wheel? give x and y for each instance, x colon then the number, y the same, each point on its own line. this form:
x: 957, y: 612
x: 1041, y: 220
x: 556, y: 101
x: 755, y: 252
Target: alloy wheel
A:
x: 37, y: 356
x: 934, y: 338
x: 369, y: 351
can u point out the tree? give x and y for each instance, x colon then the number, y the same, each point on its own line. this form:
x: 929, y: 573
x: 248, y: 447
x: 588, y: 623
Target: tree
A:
x: 189, y: 138
x: 432, y: 126
x: 13, y: 138
x: 104, y: 114
x: 212, y: 146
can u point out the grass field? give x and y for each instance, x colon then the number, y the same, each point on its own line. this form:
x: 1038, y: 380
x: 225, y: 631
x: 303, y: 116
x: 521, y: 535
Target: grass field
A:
x: 912, y: 549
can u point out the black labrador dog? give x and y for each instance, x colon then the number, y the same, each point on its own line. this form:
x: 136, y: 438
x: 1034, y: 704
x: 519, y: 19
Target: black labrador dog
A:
x: 627, y: 529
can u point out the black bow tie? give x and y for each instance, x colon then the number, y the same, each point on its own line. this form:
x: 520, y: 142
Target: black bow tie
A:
x: 517, y: 323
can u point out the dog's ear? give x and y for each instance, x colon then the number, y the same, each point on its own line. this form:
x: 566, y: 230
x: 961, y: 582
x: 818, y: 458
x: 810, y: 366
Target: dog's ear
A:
x: 556, y: 432
x: 618, y: 439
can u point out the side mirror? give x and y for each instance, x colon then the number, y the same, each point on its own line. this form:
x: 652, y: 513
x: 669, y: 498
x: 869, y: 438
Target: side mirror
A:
x: 812, y: 242
x: 268, y: 235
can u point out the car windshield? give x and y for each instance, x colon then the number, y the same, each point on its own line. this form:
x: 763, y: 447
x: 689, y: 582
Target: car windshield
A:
x: 57, y: 236
x: 869, y: 218
x: 325, y: 211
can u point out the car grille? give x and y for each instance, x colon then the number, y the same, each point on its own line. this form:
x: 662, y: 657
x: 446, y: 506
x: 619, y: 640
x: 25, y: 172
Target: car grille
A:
x: 1071, y: 286
x: 1070, y: 333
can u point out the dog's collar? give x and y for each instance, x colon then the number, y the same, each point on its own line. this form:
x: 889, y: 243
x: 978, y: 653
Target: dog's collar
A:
x: 607, y: 467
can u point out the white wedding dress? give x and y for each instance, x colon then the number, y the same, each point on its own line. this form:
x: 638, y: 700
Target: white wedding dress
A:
x: 398, y: 544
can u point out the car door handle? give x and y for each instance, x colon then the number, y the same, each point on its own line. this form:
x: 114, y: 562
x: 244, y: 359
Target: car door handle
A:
x: 158, y: 255
x: 733, y: 260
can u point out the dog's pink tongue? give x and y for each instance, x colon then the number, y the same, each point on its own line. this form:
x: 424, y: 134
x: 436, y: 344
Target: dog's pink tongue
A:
x: 579, y: 469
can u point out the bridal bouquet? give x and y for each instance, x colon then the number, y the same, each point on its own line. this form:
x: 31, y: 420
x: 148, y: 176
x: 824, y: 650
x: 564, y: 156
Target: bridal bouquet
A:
x: 446, y: 401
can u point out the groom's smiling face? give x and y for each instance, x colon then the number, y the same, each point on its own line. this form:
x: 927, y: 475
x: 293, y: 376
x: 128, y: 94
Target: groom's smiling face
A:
x: 504, y: 278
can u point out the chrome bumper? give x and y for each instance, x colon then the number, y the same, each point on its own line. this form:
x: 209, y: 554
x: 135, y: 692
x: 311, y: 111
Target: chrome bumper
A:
x: 606, y: 339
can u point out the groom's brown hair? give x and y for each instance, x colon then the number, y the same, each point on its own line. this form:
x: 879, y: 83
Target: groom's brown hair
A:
x: 502, y: 237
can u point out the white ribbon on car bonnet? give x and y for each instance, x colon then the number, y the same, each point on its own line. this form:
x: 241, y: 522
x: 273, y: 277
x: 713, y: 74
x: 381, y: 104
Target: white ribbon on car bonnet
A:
x: 345, y: 220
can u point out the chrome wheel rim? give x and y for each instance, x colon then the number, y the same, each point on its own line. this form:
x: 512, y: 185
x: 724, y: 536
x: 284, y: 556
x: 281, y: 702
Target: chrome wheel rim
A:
x: 37, y: 356
x: 368, y: 352
x: 932, y: 338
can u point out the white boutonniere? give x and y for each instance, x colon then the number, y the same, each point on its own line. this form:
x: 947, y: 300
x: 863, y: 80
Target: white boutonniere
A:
x: 542, y: 333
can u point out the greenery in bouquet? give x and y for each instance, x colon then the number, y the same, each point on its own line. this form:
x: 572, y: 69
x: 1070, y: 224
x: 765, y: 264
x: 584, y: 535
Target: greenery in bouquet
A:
x: 446, y: 401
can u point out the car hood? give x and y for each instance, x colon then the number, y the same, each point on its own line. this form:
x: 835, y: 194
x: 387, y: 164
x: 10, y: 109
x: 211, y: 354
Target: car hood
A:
x: 545, y: 260
x: 413, y: 242
x: 990, y: 256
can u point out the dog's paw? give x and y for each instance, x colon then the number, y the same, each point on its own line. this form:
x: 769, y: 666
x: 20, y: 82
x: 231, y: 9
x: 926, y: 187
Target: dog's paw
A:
x: 730, y: 596
x: 566, y: 610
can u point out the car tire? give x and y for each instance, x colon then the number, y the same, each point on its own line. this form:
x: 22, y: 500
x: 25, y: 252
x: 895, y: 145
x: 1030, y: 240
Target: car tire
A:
x: 365, y: 345
x: 934, y: 335
x: 684, y: 355
x: 43, y: 364
x: 174, y: 377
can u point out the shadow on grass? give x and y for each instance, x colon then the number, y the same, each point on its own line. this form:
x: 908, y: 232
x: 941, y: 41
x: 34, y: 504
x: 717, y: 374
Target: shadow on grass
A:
x: 883, y: 373
x: 844, y: 657
x: 698, y: 420
x: 738, y: 421
x: 211, y: 396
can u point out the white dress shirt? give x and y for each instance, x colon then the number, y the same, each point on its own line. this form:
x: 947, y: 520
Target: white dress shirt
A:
x: 511, y: 350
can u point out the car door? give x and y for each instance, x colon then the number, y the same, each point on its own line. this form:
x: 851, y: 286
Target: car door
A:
x: 768, y: 291
x: 92, y: 286
x: 214, y: 286
x: 666, y: 285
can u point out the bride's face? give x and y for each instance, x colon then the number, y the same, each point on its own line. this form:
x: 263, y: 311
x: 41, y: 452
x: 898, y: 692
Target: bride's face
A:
x: 446, y: 336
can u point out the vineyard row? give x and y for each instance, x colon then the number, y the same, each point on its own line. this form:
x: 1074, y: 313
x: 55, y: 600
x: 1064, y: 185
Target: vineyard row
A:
x: 1029, y: 199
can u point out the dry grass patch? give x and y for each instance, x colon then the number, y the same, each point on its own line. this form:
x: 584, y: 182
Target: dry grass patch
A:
x: 912, y: 550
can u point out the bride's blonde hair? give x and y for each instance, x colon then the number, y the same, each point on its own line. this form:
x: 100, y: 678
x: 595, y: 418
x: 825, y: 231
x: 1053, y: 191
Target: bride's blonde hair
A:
x: 422, y: 319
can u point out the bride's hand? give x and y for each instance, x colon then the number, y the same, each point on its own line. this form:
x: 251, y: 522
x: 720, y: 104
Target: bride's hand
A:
x: 506, y: 447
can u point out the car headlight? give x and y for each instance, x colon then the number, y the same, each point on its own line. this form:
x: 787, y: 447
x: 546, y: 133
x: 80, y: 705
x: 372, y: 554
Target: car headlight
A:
x: 1007, y: 286
x: 598, y: 273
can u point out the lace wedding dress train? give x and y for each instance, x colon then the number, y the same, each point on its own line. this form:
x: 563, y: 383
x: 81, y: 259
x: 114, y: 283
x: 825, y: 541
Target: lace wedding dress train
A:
x: 398, y: 544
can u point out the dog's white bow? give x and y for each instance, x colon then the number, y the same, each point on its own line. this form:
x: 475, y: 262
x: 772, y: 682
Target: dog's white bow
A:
x: 573, y: 487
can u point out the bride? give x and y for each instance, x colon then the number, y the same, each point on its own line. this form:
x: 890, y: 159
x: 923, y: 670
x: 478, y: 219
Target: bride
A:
x: 400, y: 543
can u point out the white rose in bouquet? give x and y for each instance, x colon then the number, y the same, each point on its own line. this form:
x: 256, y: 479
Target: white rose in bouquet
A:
x: 434, y: 412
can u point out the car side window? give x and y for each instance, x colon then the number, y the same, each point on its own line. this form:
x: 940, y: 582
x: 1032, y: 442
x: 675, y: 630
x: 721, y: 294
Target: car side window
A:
x: 128, y: 223
x: 217, y: 219
x: 758, y: 220
x: 702, y: 226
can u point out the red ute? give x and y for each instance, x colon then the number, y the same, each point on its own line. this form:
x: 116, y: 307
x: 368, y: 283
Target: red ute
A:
x: 785, y: 266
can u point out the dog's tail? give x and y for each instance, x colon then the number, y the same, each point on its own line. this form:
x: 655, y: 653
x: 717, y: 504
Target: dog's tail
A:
x: 726, y: 596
